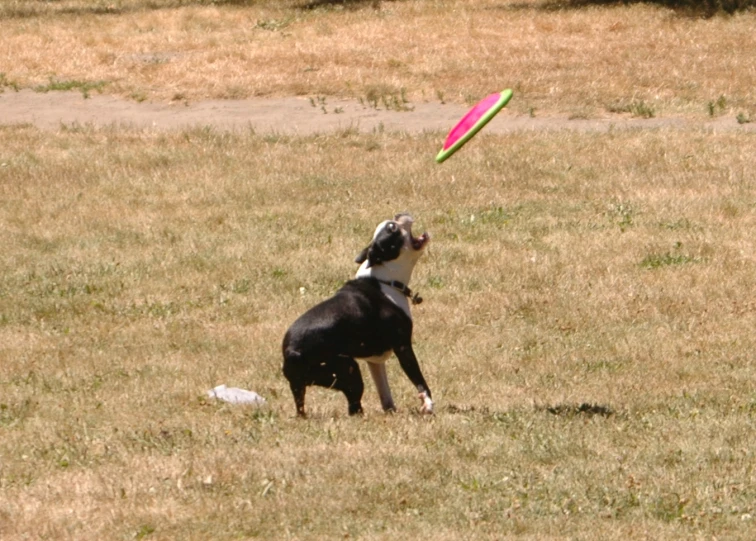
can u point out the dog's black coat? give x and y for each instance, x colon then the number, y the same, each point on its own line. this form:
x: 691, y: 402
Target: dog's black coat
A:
x: 359, y: 321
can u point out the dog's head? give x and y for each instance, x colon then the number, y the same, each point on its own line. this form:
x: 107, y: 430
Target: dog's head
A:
x: 393, y: 244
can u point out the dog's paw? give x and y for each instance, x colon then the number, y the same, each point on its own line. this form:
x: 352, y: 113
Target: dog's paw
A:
x: 427, y: 407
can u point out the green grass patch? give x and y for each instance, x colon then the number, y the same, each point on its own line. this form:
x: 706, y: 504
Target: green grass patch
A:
x: 7, y: 83
x: 638, y: 109
x: 65, y: 85
x: 667, y: 259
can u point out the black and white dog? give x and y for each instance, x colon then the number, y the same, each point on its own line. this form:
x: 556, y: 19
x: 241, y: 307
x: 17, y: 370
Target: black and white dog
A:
x: 368, y: 319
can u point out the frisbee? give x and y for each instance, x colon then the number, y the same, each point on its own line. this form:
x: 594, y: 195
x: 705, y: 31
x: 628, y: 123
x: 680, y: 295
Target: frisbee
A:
x: 472, y: 122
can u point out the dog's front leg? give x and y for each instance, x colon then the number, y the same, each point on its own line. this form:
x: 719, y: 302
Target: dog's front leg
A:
x: 380, y: 377
x: 409, y: 364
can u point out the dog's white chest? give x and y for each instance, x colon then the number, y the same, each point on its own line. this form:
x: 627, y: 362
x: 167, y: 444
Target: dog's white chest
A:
x: 386, y: 274
x: 397, y: 297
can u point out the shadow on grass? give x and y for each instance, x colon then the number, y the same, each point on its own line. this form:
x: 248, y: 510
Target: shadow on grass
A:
x: 693, y: 8
x: 347, y: 4
x: 584, y: 409
x: 21, y: 10
x: 699, y: 8
x: 706, y: 8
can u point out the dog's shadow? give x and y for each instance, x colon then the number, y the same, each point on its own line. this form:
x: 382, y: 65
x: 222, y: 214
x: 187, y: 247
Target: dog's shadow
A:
x: 584, y: 410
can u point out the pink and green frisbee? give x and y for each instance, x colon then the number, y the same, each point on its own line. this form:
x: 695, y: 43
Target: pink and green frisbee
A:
x: 473, y: 122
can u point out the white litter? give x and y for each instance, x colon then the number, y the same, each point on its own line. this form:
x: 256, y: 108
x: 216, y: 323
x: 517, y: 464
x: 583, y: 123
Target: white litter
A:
x: 235, y: 395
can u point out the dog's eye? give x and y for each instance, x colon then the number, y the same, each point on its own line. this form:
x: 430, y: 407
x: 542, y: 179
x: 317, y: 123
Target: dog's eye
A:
x: 391, y: 227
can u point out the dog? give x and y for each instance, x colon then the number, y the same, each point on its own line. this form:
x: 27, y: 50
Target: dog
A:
x: 367, y: 319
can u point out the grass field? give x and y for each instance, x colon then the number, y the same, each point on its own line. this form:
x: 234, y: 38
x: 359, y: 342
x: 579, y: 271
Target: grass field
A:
x: 589, y: 308
x: 581, y: 62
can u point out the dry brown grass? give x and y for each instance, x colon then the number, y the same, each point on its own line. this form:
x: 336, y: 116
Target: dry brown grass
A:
x: 141, y: 269
x: 576, y: 62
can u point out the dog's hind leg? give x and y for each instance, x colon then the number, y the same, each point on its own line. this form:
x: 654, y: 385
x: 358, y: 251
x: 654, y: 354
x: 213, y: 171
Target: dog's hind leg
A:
x: 341, y: 374
x: 380, y: 378
x: 292, y: 369
x: 298, y: 390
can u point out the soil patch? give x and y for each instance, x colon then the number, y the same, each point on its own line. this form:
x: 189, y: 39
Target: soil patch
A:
x: 293, y: 116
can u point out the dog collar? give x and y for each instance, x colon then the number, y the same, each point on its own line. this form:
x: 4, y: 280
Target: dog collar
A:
x: 404, y: 289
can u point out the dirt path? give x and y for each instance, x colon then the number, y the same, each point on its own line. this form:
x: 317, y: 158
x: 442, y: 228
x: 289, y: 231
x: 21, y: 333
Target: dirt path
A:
x: 295, y: 116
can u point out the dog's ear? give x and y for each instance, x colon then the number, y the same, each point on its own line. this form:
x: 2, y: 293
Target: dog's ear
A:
x: 372, y: 254
x: 362, y: 256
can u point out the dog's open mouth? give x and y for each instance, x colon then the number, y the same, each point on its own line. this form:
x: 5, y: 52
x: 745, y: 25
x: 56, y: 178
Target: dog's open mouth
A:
x: 405, y: 221
x: 418, y: 243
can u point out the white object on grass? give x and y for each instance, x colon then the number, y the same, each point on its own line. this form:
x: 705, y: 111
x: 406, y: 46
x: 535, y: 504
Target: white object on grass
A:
x: 235, y: 395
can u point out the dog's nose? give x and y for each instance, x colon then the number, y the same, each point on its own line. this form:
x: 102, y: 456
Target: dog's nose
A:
x: 404, y: 217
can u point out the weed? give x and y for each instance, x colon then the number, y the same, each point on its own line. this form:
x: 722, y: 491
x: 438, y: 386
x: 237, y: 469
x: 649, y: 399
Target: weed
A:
x: 319, y: 101
x: 666, y: 259
x: 6, y: 83
x: 274, y: 25
x: 717, y: 107
x: 669, y: 507
x: 373, y: 97
x: 12, y: 414
x: 85, y: 87
x: 642, y: 110
x: 144, y: 531
x: 681, y: 224
x: 621, y: 213
x: 638, y: 109
x: 471, y: 99
x: 494, y: 216
x: 397, y: 102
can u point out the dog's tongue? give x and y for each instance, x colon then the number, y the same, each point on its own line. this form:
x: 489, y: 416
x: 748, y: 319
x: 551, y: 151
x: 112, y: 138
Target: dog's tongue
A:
x: 419, y: 242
